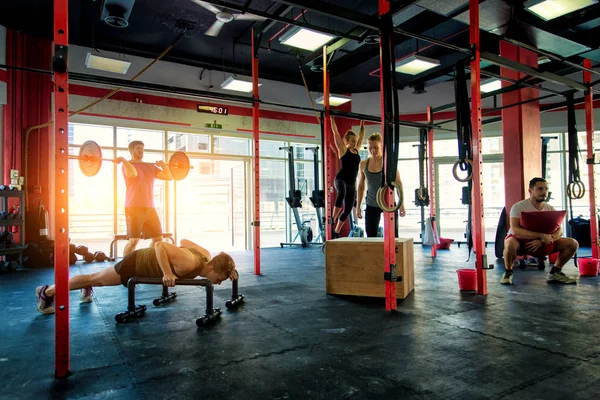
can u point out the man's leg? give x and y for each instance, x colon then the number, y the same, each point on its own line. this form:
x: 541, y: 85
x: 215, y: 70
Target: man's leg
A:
x: 511, y: 247
x: 106, y: 277
x: 135, y: 218
x: 152, y: 227
x: 566, y: 248
x: 130, y: 246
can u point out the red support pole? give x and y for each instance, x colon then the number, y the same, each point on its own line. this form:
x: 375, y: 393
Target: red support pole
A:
x: 61, y: 184
x: 326, y: 144
x: 589, y: 128
x: 256, y: 157
x: 478, y: 231
x: 431, y: 178
x: 389, y: 231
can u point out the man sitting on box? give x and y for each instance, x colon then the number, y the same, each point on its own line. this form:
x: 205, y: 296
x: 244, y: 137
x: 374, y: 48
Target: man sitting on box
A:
x: 535, y: 229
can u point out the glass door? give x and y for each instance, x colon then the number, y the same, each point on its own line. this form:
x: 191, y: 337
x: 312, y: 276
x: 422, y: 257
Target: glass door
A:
x: 211, y: 204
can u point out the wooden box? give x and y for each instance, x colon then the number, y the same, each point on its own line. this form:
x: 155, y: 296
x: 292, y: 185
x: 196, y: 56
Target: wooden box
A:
x: 354, y: 266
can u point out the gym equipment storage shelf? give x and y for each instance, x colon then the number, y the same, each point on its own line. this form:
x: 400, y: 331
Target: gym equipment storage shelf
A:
x: 5, y: 195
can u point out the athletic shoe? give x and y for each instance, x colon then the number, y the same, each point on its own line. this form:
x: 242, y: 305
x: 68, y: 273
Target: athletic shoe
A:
x: 85, y: 295
x: 560, y: 277
x: 44, y: 303
x: 506, y: 279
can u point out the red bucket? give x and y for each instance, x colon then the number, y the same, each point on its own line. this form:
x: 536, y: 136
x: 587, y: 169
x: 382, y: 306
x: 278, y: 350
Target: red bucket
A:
x: 588, y: 266
x: 552, y: 258
x: 444, y: 244
x: 467, y: 279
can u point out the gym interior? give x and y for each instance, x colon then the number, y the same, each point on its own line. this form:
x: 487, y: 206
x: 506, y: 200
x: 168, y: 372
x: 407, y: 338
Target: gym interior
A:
x: 473, y: 99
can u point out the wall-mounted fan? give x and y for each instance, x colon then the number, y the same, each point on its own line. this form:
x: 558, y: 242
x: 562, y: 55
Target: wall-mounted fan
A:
x: 224, y: 17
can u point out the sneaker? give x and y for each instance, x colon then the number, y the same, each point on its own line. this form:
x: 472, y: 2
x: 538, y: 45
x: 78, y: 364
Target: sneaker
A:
x: 44, y: 303
x: 506, y: 279
x: 85, y: 295
x: 560, y: 277
x: 335, y: 235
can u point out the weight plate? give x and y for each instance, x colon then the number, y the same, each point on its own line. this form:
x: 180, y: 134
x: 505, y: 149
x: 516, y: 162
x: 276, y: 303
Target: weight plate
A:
x: 179, y: 164
x: 90, y: 158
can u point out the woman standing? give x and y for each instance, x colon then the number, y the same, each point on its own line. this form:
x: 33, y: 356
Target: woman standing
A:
x: 345, y: 179
x: 371, y: 177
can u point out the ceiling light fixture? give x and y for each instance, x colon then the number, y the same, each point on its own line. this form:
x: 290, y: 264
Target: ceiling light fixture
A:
x: 238, y: 85
x: 415, y: 64
x: 334, y: 99
x: 543, y: 60
x: 550, y: 9
x: 106, y: 64
x: 491, y: 86
x: 306, y: 39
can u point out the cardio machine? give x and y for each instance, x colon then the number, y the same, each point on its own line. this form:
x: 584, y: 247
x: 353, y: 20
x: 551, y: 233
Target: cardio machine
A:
x: 305, y: 232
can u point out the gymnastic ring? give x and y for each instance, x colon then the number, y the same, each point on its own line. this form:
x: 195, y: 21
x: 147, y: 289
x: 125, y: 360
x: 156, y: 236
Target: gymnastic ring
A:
x: 454, y: 172
x: 323, y: 249
x: 576, y: 190
x: 420, y: 192
x: 381, y: 198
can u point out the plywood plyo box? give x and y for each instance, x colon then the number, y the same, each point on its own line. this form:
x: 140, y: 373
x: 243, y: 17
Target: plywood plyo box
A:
x: 354, y: 266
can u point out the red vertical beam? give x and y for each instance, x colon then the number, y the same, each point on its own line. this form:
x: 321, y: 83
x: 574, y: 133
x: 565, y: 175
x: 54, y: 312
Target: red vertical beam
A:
x: 256, y: 157
x: 389, y: 232
x: 61, y: 194
x: 520, y: 130
x: 326, y: 144
x: 589, y: 128
x: 431, y: 178
x: 477, y: 195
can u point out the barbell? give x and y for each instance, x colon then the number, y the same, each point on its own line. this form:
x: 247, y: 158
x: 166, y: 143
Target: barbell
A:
x: 90, y: 161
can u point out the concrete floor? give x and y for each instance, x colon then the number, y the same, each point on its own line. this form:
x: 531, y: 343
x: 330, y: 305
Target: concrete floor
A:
x: 290, y: 340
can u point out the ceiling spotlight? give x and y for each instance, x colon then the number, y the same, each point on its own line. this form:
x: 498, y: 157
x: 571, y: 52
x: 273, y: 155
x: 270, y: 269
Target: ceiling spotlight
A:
x: 116, y: 16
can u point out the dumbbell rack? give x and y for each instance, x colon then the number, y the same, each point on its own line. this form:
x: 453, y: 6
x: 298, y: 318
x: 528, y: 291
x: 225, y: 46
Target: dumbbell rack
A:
x: 6, y: 223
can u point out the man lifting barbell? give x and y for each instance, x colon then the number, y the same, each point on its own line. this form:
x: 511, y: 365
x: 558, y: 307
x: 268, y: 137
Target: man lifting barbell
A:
x: 140, y: 213
x: 139, y: 176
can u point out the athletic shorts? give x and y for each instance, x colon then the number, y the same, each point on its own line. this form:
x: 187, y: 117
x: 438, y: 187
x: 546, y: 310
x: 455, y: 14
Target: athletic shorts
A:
x: 142, y: 222
x: 126, y: 267
x: 550, y: 248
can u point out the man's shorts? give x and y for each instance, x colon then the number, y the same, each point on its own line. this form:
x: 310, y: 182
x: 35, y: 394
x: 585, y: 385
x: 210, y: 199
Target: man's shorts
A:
x: 550, y: 248
x: 142, y: 220
x: 126, y: 267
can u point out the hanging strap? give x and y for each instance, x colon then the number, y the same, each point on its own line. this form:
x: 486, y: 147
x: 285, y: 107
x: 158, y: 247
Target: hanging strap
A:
x: 575, y: 187
x: 421, y: 194
x: 391, y: 122
x: 463, y: 124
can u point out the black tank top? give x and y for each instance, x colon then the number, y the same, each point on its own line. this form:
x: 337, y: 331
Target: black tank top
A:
x: 349, y: 171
